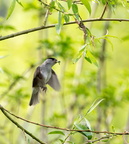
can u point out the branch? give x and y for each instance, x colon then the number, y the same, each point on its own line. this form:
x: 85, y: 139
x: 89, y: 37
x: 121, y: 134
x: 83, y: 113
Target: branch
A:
x: 82, y: 27
x: 99, y: 139
x: 46, y: 17
x: 104, y: 10
x: 65, y: 129
x: 53, y: 25
x: 45, y: 4
x: 19, y: 126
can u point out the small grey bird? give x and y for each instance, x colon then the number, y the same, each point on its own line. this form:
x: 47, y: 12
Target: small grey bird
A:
x: 44, y: 75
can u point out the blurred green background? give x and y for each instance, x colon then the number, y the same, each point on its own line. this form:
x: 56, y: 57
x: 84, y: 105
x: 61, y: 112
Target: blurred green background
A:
x: 82, y: 83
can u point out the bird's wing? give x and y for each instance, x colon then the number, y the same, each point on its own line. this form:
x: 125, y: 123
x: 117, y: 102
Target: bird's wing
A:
x: 38, y: 77
x: 54, y: 82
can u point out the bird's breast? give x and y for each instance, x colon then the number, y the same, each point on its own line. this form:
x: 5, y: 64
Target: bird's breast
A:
x: 46, y: 74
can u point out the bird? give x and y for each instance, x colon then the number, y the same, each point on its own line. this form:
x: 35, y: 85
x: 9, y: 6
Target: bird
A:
x: 44, y: 74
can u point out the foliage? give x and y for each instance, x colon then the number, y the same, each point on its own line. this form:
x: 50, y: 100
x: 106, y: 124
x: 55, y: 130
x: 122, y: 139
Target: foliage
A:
x: 93, y: 72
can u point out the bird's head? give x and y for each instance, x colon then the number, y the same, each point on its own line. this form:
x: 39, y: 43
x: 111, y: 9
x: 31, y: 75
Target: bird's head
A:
x: 51, y: 61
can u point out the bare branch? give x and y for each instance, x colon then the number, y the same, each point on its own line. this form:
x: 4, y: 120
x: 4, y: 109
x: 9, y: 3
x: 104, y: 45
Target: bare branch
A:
x: 104, y: 10
x: 65, y: 129
x: 82, y: 27
x: 53, y: 25
x: 19, y: 126
x: 46, y: 15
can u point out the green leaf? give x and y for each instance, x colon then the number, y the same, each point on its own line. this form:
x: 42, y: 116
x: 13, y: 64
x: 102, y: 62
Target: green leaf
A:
x: 87, y: 5
x: 74, y: 8
x: 51, y: 6
x: 90, y: 58
x: 113, y: 129
x: 106, y: 38
x: 111, y: 36
x: 106, y: 140
x: 109, y: 42
x: 19, y: 3
x: 78, y: 57
x: 84, y: 125
x: 88, y: 32
x: 12, y: 6
x: 61, y: 7
x: 70, y: 142
x: 59, y: 25
x: 58, y: 28
x: 94, y: 105
x: 56, y: 132
x: 66, y: 18
x: 125, y: 37
x: 7, y: 27
x: 61, y: 140
x: 69, y: 3
x: 77, y: 16
x: 82, y: 48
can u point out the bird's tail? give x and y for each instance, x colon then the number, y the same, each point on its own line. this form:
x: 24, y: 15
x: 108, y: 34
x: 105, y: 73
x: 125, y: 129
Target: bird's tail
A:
x: 35, y: 96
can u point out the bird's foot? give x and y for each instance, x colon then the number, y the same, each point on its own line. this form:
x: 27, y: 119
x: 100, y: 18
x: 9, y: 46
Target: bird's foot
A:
x: 44, y: 89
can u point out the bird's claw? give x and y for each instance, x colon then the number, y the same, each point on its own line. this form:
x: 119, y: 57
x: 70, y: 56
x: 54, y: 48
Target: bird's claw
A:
x: 44, y: 89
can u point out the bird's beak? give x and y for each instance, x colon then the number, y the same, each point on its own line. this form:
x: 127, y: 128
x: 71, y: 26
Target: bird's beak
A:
x: 58, y: 61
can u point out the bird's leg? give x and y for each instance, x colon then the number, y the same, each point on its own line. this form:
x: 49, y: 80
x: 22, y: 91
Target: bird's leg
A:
x: 44, y: 89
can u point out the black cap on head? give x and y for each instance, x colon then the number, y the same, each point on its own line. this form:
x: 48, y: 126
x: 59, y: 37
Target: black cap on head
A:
x: 52, y: 58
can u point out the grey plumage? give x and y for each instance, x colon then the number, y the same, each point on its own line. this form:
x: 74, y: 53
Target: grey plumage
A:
x: 44, y: 75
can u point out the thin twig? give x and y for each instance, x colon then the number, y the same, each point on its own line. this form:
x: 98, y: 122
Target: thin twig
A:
x: 65, y: 129
x: 45, y: 4
x: 53, y: 25
x: 99, y: 139
x: 82, y: 27
x: 67, y: 137
x: 19, y: 126
x: 104, y: 10
x: 46, y: 17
